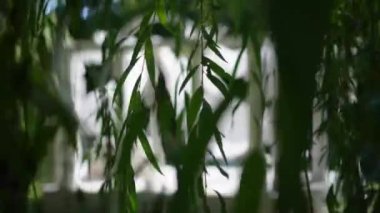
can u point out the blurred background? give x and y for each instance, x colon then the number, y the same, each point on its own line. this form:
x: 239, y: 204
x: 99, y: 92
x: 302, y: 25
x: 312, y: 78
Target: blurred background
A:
x: 189, y: 106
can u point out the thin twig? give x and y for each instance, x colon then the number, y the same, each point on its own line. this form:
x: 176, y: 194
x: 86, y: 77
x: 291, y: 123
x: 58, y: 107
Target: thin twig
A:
x: 310, y: 197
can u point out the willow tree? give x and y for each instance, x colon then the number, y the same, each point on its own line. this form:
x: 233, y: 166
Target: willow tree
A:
x: 304, y: 44
x: 32, y: 109
x: 298, y: 29
x: 348, y: 92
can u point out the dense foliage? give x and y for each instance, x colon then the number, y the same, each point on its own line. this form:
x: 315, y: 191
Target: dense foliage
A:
x: 327, y: 55
x: 32, y: 106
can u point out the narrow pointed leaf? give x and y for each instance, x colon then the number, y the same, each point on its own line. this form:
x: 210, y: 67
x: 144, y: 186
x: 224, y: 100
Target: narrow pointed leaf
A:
x: 221, y: 170
x: 193, y: 28
x: 176, y: 91
x: 148, y: 151
x: 252, y: 184
x: 215, y: 49
x: 212, y: 45
x: 142, y: 35
x: 135, y: 100
x: 132, y: 102
x: 218, y: 70
x: 187, y: 100
x: 198, y: 141
x: 202, y: 194
x: 219, y: 142
x: 223, y: 206
x: 188, y: 77
x: 160, y: 7
x: 149, y: 58
x: 237, y: 62
x: 123, y: 77
x: 192, y: 54
x: 165, y: 110
x: 194, y: 107
x: 131, y: 188
x: 219, y: 84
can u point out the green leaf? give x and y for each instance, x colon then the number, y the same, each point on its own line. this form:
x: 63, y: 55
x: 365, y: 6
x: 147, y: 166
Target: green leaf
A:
x: 187, y: 100
x: 237, y: 62
x: 222, y: 88
x: 202, y: 194
x: 188, y: 77
x: 133, y: 103
x: 221, y: 170
x: 252, y: 184
x: 133, y: 202
x: 195, y: 25
x: 211, y: 44
x: 161, y: 12
x: 331, y: 200
x: 178, y: 32
x: 218, y: 70
x: 144, y: 26
x: 149, y: 58
x: 195, y: 151
x: 239, y: 89
x: 165, y: 110
x: 180, y: 131
x: 135, y: 100
x: 148, y: 151
x: 132, y: 205
x: 120, y: 82
x: 198, y: 141
x: 219, y: 142
x: 142, y: 35
x: 223, y: 207
x: 123, y: 152
x: 175, y: 92
x: 194, y: 107
x: 236, y: 107
x: 192, y: 54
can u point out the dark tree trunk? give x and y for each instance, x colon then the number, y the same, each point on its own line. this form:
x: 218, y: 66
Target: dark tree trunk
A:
x: 298, y: 28
x: 17, y: 161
